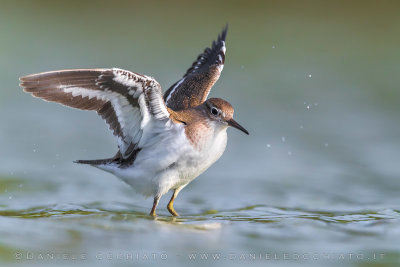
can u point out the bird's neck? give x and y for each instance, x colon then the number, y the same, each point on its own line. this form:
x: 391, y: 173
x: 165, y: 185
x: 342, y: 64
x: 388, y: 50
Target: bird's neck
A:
x: 199, y: 130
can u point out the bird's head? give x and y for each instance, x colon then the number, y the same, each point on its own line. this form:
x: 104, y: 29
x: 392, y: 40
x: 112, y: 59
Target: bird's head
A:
x: 221, y: 112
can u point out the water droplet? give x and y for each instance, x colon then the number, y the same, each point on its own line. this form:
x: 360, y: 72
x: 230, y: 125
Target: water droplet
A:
x: 283, y: 139
x: 326, y: 144
x: 10, y: 197
x: 268, y: 145
x: 289, y: 153
x: 309, y: 75
x: 20, y: 185
x: 34, y: 150
x: 301, y: 126
x: 308, y: 106
x: 273, y: 46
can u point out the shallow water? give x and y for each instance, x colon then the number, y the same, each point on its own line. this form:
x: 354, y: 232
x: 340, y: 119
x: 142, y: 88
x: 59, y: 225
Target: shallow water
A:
x: 317, y: 182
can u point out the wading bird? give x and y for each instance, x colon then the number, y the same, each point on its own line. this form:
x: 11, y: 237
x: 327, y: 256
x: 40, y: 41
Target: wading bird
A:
x: 164, y: 141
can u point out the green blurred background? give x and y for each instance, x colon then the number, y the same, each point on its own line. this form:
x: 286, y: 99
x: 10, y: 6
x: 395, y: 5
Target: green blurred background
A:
x: 315, y: 82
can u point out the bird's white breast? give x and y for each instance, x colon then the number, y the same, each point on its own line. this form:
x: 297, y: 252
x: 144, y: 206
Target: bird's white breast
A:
x: 169, y: 160
x: 209, y: 153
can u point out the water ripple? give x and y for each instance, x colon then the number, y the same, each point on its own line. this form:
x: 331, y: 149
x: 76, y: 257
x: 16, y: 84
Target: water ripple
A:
x: 253, y: 214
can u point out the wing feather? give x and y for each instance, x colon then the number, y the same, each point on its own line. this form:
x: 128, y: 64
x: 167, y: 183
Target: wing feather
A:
x: 127, y: 101
x: 195, y: 85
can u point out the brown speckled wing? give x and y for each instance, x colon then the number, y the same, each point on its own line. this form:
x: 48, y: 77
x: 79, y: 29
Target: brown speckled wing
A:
x: 194, y: 87
x: 127, y: 101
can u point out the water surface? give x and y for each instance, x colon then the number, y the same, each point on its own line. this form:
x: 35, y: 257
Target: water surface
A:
x: 317, y: 182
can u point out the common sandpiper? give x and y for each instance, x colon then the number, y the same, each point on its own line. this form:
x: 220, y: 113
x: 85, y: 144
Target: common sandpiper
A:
x: 165, y: 141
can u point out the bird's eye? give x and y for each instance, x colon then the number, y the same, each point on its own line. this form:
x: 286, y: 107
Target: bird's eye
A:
x: 214, y: 111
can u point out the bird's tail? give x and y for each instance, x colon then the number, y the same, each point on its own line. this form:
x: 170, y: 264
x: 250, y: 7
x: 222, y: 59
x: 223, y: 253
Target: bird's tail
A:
x: 94, y: 161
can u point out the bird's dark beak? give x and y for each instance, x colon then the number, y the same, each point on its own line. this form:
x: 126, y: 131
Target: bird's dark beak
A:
x: 233, y: 123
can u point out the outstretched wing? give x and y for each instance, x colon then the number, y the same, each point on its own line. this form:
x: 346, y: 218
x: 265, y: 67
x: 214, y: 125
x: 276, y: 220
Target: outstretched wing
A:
x: 127, y: 101
x: 194, y: 87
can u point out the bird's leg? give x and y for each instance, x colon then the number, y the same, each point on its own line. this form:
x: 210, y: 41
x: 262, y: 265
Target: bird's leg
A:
x: 170, y: 205
x: 155, y: 203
